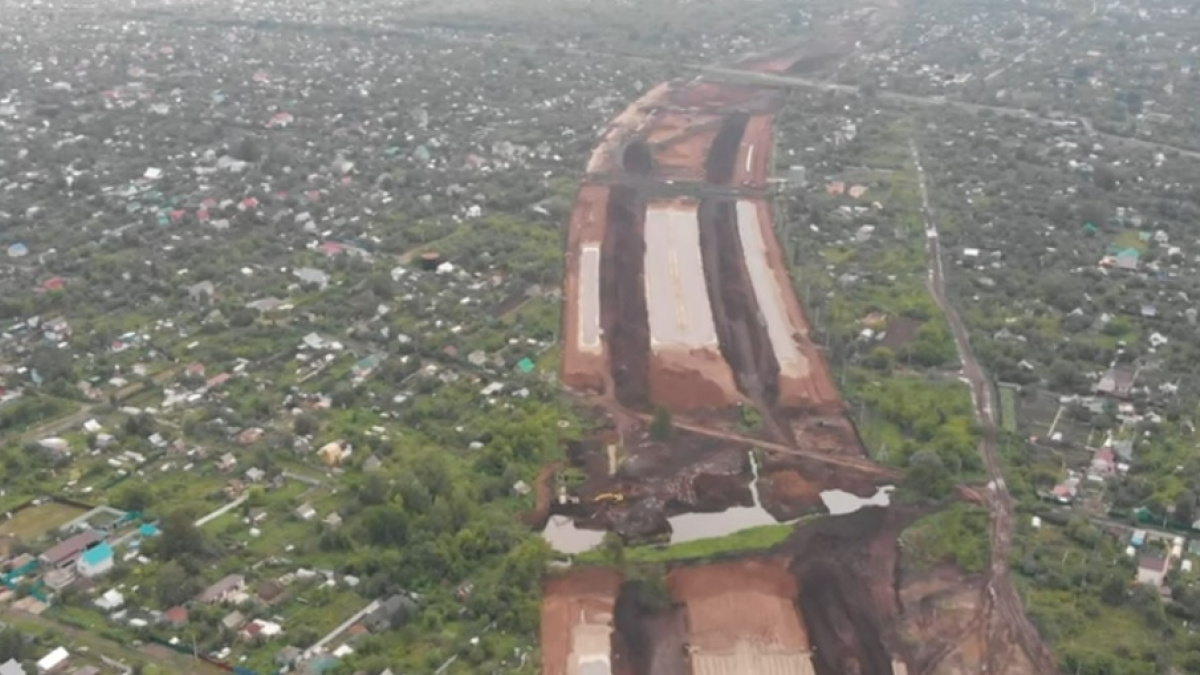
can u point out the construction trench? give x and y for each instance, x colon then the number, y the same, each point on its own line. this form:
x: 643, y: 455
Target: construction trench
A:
x: 832, y: 599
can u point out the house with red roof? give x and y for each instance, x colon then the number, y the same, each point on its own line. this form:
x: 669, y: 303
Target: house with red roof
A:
x: 54, y: 284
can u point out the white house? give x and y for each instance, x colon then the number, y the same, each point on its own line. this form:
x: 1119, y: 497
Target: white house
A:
x: 95, y: 561
x: 53, y: 662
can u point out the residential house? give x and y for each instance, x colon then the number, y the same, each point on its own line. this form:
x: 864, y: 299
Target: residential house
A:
x: 1117, y: 381
x: 227, y: 462
x: 1127, y: 259
x: 223, y: 590
x: 306, y: 511
x: 288, y: 656
x: 54, y: 662
x: 334, y: 453
x: 95, y: 561
x: 11, y: 667
x: 372, y: 464
x: 233, y: 620
x: 176, y: 617
x: 333, y: 520
x: 260, y: 630
x: 313, y: 276
x: 271, y: 593
x: 391, y: 613
x: 66, y: 552
x: 255, y: 474
x: 202, y: 292
x: 1152, y: 570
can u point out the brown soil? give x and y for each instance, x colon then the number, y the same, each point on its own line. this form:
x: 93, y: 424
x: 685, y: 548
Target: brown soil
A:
x: 688, y: 474
x: 846, y: 570
x: 680, y: 142
x: 691, y: 379
x: 743, y: 601
x: 790, y: 487
x: 589, y: 222
x: 755, y: 150
x: 623, y: 298
x: 899, y: 332
x: 606, y: 157
x: 832, y: 600
x: 577, y: 616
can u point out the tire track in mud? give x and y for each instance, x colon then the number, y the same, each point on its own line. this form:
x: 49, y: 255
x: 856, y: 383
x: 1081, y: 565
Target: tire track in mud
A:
x: 623, y: 311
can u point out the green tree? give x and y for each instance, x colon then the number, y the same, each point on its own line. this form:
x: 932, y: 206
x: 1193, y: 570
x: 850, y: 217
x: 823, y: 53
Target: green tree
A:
x: 174, y: 585
x: 928, y: 476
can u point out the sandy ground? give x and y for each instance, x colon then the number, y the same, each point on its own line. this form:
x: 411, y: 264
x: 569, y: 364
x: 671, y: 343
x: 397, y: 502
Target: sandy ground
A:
x: 742, y: 618
x: 577, y: 619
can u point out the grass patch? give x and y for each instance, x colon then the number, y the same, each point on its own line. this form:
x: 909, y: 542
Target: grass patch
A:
x: 36, y: 521
x: 1008, y: 409
x: 752, y: 539
x: 956, y: 535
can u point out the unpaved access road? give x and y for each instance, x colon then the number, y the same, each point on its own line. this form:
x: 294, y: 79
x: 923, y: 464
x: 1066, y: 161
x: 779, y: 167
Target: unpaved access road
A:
x: 1001, y: 590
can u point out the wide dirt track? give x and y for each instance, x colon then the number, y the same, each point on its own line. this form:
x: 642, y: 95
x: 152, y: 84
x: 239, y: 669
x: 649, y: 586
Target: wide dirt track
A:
x: 577, y: 619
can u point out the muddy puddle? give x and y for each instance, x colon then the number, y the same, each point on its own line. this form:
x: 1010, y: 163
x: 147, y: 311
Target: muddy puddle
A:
x: 693, y: 526
x: 840, y: 502
x: 566, y: 537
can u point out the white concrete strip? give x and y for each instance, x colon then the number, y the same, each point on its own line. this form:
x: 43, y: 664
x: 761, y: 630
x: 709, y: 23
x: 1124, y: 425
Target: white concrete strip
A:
x: 589, y: 298
x: 676, y: 295
x: 767, y: 291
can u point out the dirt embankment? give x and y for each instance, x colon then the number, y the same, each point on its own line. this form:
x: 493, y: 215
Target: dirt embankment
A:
x: 846, y: 570
x: 722, y: 157
x: 622, y: 296
x: 744, y: 340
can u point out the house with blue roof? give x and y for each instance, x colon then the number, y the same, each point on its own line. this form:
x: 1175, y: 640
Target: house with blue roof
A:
x: 95, y: 561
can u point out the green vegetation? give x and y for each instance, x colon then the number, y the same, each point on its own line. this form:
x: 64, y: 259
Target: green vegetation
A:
x: 1008, y: 409
x: 750, y: 540
x: 957, y: 535
x: 35, y: 521
x: 904, y: 415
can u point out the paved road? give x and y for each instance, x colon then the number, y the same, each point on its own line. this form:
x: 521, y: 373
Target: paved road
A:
x: 1002, y: 592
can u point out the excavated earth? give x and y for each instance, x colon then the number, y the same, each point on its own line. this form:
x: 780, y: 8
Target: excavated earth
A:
x: 834, y: 599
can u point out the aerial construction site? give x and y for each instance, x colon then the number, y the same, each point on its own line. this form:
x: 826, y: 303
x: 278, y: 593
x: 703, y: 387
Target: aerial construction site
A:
x: 679, y: 298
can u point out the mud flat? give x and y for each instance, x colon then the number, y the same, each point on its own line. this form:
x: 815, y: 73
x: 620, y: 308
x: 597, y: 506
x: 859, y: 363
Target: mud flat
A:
x: 692, y: 526
x: 585, y: 358
x: 577, y: 622
x: 687, y: 371
x: 742, y: 618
